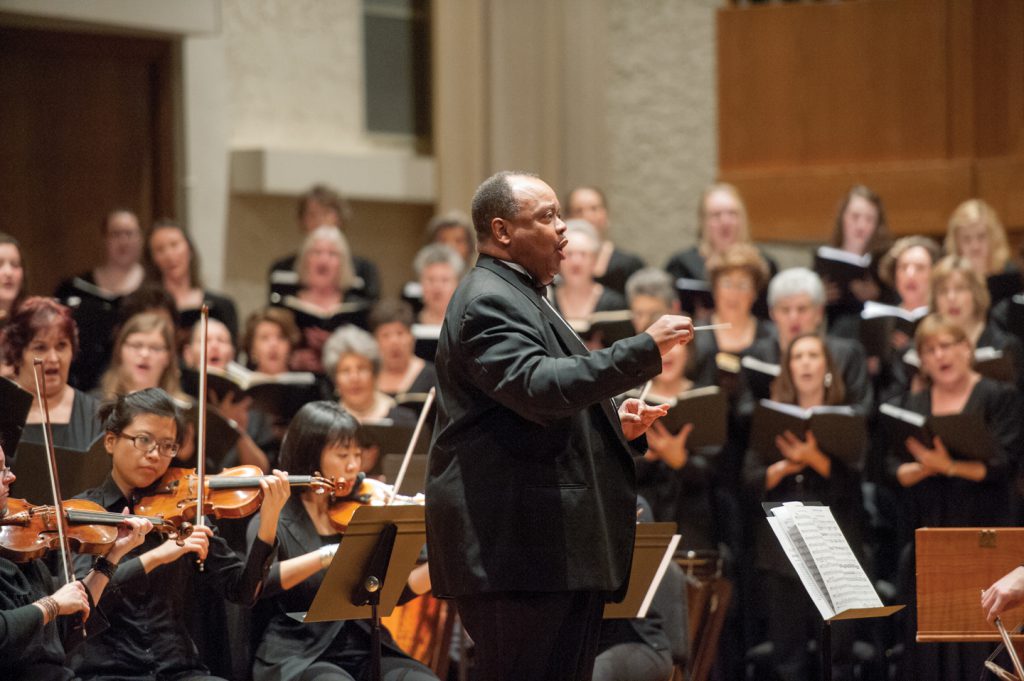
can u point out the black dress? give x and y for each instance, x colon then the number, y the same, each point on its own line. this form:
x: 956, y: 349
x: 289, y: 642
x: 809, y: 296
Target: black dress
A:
x: 621, y: 266
x: 81, y: 430
x: 287, y: 647
x: 954, y: 502
x: 96, y: 315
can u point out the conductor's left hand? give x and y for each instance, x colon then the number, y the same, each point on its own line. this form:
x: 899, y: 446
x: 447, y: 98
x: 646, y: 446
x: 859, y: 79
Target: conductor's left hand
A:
x: 637, y: 416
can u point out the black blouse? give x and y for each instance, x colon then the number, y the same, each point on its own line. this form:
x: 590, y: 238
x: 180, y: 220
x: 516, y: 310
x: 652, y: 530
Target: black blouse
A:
x: 148, y: 636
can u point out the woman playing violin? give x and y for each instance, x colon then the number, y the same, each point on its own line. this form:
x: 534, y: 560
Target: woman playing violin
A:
x: 321, y: 437
x: 31, y: 605
x: 148, y: 637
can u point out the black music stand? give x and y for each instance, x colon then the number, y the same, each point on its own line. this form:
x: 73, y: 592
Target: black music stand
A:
x: 370, y: 570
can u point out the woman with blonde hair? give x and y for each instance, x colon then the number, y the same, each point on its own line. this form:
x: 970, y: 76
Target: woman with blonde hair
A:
x: 722, y: 220
x: 976, y: 233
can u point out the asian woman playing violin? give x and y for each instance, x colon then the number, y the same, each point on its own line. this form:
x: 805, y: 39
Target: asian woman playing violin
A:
x: 321, y: 437
x: 148, y: 637
x: 32, y: 606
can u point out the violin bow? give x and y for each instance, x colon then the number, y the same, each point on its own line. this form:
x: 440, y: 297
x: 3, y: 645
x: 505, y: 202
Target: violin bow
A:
x: 58, y: 500
x: 204, y: 321
x: 412, y: 445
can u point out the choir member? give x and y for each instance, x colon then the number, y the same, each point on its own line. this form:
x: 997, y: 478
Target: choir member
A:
x: 796, y: 299
x: 940, y: 489
x: 976, y: 233
x: 270, y: 336
x: 12, y: 277
x: 254, y: 428
x: 577, y: 295
x: 959, y: 295
x: 809, y: 377
x: 860, y: 229
x: 143, y: 357
x: 455, y: 231
x: 321, y: 440
x: 43, y: 328
x: 155, y: 582
x: 737, y: 276
x: 722, y: 222
x: 326, y: 275
x: 34, y: 605
x: 613, y: 266
x: 352, y: 358
x: 401, y: 371
x: 438, y: 269
x: 317, y: 207
x: 172, y: 261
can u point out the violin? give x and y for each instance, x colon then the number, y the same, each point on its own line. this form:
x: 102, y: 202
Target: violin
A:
x: 365, y: 492
x: 27, y: 532
x: 233, y: 493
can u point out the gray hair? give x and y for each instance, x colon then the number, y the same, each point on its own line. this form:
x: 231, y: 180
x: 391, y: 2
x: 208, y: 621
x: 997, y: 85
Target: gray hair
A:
x: 585, y: 229
x: 438, y: 254
x: 653, y: 282
x: 350, y: 340
x: 346, y: 271
x: 794, y: 281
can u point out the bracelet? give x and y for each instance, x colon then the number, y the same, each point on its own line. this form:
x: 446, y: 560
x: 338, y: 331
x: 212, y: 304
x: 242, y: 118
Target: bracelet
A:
x: 327, y: 554
x: 105, y: 567
x: 50, y: 608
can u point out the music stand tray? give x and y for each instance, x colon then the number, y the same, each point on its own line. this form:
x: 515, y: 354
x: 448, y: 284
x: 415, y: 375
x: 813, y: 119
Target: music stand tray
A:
x: 653, y: 549
x: 345, y: 575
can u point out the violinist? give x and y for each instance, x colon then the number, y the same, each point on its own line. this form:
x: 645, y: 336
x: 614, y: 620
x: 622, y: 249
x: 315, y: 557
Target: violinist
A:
x: 31, y: 604
x: 148, y: 637
x: 321, y: 437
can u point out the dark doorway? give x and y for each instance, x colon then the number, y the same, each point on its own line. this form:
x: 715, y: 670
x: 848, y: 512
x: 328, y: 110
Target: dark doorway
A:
x: 86, y: 125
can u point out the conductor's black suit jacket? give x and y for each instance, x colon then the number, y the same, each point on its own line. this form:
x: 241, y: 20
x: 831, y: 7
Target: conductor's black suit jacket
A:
x: 531, y: 483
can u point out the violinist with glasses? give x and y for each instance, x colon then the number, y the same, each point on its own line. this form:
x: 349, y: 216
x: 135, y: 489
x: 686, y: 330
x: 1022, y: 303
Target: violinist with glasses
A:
x: 148, y: 637
x: 34, y: 609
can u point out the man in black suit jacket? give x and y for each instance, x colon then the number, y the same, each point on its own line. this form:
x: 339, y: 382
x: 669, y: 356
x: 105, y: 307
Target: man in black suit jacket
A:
x: 531, y: 487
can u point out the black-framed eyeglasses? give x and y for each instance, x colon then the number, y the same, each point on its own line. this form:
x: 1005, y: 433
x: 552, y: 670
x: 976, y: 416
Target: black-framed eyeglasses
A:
x: 146, y: 443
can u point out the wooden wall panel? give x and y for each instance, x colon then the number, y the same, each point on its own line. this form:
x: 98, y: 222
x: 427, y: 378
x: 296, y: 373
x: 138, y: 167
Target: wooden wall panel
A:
x: 809, y: 83
x: 86, y: 127
x: 922, y: 100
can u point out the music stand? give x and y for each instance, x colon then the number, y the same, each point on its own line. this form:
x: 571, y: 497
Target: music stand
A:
x: 653, y: 548
x: 370, y: 570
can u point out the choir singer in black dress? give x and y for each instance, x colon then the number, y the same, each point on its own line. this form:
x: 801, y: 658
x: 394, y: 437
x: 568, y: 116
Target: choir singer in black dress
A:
x: 531, y: 480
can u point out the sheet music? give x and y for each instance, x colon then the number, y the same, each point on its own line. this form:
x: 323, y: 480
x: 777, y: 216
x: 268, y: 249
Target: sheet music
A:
x: 796, y: 550
x: 848, y: 586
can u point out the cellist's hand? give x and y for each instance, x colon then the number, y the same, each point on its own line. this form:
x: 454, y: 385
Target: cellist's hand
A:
x: 275, y: 495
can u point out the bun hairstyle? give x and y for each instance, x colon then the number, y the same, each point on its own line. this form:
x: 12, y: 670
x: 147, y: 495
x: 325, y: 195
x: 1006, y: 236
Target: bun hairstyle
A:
x: 118, y: 414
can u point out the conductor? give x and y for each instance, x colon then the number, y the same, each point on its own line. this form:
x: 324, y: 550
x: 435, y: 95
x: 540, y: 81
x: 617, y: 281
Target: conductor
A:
x: 531, y: 510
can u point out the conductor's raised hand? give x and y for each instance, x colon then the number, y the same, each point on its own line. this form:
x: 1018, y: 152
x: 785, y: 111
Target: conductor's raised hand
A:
x: 1004, y: 595
x: 671, y: 330
x: 637, y: 416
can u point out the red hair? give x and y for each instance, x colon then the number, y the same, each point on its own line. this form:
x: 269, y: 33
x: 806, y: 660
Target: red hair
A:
x: 35, y: 315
